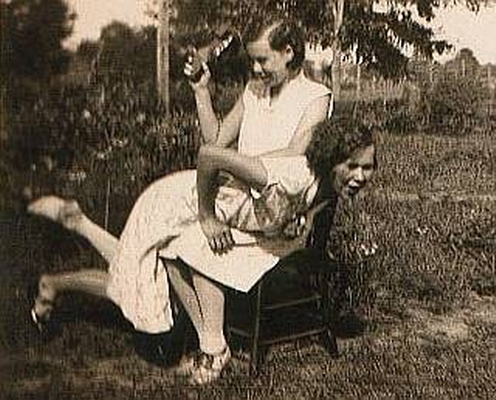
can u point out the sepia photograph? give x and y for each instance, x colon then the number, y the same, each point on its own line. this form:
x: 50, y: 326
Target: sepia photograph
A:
x: 247, y: 199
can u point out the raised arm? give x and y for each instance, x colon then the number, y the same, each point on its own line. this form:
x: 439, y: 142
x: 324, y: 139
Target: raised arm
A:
x: 211, y: 161
x: 214, y: 132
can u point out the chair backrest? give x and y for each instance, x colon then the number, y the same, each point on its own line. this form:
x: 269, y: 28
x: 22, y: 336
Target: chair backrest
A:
x: 320, y: 218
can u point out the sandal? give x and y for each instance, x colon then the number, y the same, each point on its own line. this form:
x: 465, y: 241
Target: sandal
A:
x: 207, y: 368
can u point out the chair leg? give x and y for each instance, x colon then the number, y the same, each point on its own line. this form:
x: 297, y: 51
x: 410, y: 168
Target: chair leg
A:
x: 255, y: 303
x: 329, y: 342
x: 328, y: 316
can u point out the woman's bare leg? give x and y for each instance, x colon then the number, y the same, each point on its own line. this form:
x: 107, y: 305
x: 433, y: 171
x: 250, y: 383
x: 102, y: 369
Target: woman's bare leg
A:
x: 212, y: 301
x: 92, y: 281
x: 204, y: 303
x: 186, y: 293
x: 69, y: 214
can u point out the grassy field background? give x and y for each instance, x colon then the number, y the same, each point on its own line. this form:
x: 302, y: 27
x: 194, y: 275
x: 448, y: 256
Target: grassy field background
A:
x: 421, y: 251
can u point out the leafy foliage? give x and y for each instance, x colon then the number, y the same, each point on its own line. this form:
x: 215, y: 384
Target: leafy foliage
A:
x: 125, y: 54
x: 455, y: 106
x: 32, y: 36
x: 377, y: 36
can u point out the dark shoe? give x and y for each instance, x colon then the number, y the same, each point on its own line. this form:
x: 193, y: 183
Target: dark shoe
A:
x: 43, y: 304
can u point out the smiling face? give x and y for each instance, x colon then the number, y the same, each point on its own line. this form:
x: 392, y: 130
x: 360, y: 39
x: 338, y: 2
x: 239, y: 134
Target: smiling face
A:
x: 269, y: 65
x: 352, y: 175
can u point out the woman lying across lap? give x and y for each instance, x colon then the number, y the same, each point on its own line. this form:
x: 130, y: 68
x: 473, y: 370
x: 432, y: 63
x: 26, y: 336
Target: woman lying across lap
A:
x: 274, y: 116
x: 341, y: 159
x: 273, y: 120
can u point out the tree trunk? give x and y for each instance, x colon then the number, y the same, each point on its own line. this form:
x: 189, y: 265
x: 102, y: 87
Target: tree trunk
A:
x: 337, y: 7
x: 163, y: 67
x: 358, y: 81
x: 490, y: 84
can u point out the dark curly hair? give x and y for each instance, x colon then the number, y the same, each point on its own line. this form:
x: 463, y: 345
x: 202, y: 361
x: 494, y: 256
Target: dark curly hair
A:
x: 282, y: 33
x: 334, y: 141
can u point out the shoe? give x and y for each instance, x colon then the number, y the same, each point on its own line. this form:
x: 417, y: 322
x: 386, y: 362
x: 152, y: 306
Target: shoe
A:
x: 43, y: 306
x: 207, y: 368
x: 65, y: 212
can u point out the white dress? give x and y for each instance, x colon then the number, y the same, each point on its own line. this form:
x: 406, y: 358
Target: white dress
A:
x: 164, y: 217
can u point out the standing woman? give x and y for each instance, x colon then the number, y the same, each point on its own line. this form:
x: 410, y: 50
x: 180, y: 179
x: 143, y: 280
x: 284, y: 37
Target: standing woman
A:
x: 274, y: 117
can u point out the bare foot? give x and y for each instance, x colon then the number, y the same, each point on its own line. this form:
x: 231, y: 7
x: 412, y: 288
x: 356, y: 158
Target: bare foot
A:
x: 65, y: 212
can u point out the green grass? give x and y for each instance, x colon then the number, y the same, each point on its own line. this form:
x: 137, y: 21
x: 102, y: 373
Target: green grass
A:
x: 427, y: 294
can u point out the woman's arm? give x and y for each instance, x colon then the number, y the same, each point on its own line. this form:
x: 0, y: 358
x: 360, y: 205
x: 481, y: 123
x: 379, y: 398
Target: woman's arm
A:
x: 213, y: 131
x: 315, y: 113
x: 211, y: 161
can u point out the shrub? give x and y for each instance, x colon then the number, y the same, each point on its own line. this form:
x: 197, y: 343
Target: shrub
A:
x: 455, y: 106
x: 78, y: 141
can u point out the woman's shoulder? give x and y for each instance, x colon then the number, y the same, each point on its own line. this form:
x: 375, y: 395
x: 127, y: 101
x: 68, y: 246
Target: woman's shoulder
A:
x: 311, y: 87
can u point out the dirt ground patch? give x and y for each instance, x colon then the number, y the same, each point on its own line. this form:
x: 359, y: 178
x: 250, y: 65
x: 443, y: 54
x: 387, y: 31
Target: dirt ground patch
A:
x: 456, y: 325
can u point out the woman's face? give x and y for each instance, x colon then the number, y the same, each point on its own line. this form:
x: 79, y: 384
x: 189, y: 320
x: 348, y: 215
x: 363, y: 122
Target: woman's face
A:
x: 269, y: 65
x: 351, y: 175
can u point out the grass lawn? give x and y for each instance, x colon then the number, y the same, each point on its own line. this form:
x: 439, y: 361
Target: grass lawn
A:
x: 421, y: 249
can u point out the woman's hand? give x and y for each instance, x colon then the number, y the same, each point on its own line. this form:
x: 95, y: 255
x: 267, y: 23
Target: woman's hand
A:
x: 295, y: 227
x: 191, y: 66
x: 218, y: 235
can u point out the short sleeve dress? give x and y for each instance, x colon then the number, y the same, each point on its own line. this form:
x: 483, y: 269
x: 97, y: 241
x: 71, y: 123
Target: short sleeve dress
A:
x: 164, y: 219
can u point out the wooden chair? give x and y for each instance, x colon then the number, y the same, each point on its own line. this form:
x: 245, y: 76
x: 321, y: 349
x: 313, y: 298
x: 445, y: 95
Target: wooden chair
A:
x: 295, y: 299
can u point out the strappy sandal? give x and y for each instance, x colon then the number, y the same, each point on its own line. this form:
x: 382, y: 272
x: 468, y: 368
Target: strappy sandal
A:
x: 207, y: 368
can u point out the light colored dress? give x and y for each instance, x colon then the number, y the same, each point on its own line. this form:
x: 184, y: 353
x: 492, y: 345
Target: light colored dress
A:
x: 165, y: 216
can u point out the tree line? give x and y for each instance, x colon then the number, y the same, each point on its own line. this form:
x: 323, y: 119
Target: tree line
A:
x: 378, y: 36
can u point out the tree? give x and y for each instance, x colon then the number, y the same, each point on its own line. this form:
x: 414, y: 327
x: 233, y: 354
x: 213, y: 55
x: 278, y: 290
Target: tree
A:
x: 32, y: 35
x: 378, y: 34
x: 464, y: 65
x: 163, y: 54
x: 124, y: 53
x: 88, y: 50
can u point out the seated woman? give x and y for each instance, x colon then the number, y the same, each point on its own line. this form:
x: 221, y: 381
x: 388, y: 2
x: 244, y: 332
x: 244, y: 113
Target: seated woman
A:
x: 339, y: 158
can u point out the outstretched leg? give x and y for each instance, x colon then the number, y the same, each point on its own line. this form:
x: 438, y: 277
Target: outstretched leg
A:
x: 92, y: 281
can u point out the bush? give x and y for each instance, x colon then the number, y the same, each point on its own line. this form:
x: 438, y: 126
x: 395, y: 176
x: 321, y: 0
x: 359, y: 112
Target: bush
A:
x: 454, y: 107
x: 394, y: 117
x: 82, y: 141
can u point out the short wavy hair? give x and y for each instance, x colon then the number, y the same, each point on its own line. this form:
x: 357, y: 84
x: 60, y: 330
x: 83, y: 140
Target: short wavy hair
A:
x: 282, y: 33
x: 334, y: 141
